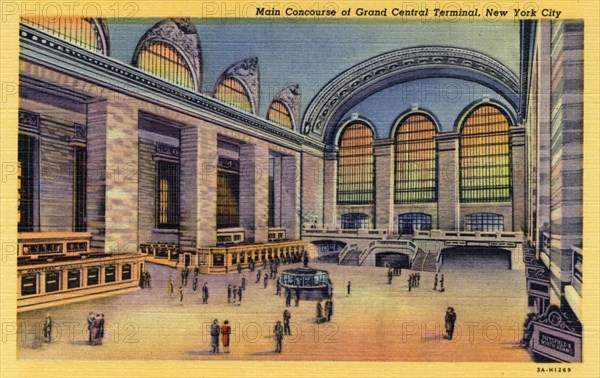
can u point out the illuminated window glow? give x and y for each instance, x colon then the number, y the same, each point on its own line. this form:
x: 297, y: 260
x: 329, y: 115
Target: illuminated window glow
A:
x: 415, y: 160
x: 279, y: 113
x: 355, y: 184
x: 231, y: 91
x: 77, y: 30
x: 485, y: 174
x: 163, y: 60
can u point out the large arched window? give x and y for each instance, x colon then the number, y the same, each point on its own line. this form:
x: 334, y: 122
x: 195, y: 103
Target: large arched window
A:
x: 280, y: 114
x: 415, y: 160
x: 163, y: 60
x: 88, y: 33
x: 231, y: 91
x: 485, y: 174
x: 355, y: 180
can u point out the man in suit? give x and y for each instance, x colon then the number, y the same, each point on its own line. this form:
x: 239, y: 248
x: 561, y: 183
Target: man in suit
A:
x: 450, y: 320
x: 205, y: 293
x: 48, y: 329
x: 286, y: 322
x: 215, y: 331
x: 278, y: 336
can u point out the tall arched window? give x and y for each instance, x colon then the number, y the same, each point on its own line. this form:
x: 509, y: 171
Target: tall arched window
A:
x: 163, y: 60
x: 280, y: 114
x: 415, y: 160
x: 355, y: 180
x: 485, y: 173
x: 85, y: 32
x: 231, y: 91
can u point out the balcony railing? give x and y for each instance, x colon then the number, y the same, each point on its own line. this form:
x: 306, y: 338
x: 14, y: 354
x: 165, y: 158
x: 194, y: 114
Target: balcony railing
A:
x: 169, y: 251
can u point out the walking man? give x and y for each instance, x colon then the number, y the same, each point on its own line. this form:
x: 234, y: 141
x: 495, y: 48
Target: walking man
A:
x: 442, y: 283
x: 278, y: 336
x: 90, y: 322
x: 48, y: 329
x: 266, y: 280
x: 435, y: 282
x: 278, y: 292
x: 288, y: 297
x: 258, y: 276
x: 286, y: 322
x: 450, y: 320
x: 234, y: 293
x: 195, y: 283
x: 205, y: 294
x: 240, y: 294
x: 229, y: 293
x: 244, y: 283
x: 348, y: 287
x: 215, y: 331
x: 409, y: 283
x: 180, y: 295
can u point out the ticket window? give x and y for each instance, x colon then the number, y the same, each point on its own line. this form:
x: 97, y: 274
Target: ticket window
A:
x: 93, y: 276
x: 126, y: 272
x: 28, y: 284
x: 110, y: 274
x: 52, y: 282
x: 73, y: 279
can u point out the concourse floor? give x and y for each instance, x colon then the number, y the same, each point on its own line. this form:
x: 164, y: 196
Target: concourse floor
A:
x: 376, y: 322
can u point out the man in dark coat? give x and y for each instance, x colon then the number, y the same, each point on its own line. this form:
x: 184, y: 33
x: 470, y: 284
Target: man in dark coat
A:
x: 278, y: 336
x: 287, y: 315
x: 240, y: 294
x: 195, y: 283
x: 205, y: 293
x: 229, y: 293
x: 435, y: 282
x: 215, y: 331
x: 288, y: 297
x: 450, y: 320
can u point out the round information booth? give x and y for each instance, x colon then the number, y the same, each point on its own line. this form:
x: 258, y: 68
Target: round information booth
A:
x: 309, y: 283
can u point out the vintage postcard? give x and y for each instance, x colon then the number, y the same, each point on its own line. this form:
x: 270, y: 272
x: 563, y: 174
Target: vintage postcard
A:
x: 233, y: 188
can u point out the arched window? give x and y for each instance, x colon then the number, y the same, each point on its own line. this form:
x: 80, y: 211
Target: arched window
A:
x: 231, y: 91
x: 355, y: 180
x: 484, y: 222
x: 279, y: 113
x: 85, y: 32
x: 415, y: 160
x: 409, y: 222
x: 355, y: 221
x: 163, y: 60
x: 485, y: 174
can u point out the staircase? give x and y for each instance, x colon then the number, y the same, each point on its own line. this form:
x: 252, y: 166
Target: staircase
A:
x: 417, y: 263
x: 425, y: 261
x: 430, y: 263
x: 351, y: 257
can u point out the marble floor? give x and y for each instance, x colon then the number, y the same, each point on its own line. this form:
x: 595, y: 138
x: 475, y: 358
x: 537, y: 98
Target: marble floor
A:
x: 376, y: 322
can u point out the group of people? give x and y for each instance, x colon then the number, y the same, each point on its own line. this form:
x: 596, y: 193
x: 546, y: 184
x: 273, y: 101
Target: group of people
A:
x: 288, y: 297
x: 95, y: 325
x: 145, y: 280
x: 217, y: 330
x: 414, y: 280
x: 441, y: 282
x: 326, y: 316
x: 234, y: 293
x: 171, y: 289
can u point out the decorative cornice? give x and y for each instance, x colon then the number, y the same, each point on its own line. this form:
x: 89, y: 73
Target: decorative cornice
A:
x: 291, y: 96
x: 247, y: 72
x: 182, y: 34
x: 375, y: 70
x: 29, y: 120
x: 555, y: 318
x: 74, y: 60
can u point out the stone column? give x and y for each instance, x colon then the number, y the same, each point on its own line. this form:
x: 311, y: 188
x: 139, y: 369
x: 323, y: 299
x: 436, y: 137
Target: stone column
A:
x: 64, y: 280
x: 254, y: 191
x: 448, y: 182
x: 383, y: 151
x: 290, y: 196
x: 543, y: 132
x: 41, y: 289
x: 198, y: 191
x: 112, y: 188
x: 330, y: 190
x: 517, y: 138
